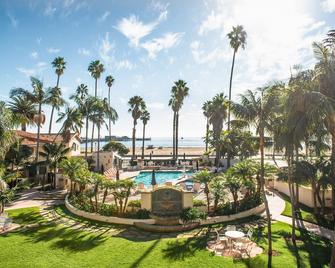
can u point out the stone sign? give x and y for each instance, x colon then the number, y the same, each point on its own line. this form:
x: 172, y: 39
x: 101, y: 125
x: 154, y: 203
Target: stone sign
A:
x: 167, y: 202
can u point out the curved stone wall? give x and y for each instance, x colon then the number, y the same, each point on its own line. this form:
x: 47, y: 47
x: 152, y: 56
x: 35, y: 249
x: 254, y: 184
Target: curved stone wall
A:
x: 108, y: 219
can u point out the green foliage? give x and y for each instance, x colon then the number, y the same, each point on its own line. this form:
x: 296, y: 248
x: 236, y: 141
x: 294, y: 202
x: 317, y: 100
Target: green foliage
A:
x: 198, y: 203
x: 115, y: 146
x: 143, y: 214
x: 134, y: 203
x: 192, y: 215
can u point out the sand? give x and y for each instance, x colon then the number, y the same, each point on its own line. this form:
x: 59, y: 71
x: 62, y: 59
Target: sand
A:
x: 168, y: 151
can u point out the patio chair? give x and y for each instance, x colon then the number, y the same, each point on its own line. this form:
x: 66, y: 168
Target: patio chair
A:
x: 222, y: 239
x: 7, y: 224
x: 231, y: 228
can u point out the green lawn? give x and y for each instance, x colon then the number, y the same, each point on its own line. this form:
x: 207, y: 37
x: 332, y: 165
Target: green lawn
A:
x: 52, y: 245
x: 306, y: 214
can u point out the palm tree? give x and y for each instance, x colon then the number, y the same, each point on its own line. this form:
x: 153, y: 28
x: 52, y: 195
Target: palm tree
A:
x: 237, y: 38
x: 80, y: 97
x: 206, y: 112
x: 179, y: 92
x: 218, y: 113
x: 6, y: 125
x: 54, y: 153
x: 109, y: 82
x: 204, y: 177
x: 257, y: 109
x: 88, y: 110
x: 96, y: 68
x: 39, y: 97
x: 54, y: 98
x: 174, y: 106
x: 23, y: 110
x: 136, y: 108
x: 145, y: 117
x: 72, y: 122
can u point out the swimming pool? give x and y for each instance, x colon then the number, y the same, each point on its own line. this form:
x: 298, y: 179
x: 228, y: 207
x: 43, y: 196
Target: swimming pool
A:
x: 161, y: 176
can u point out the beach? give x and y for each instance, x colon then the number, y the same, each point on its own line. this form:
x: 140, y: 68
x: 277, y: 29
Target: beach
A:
x: 168, y: 151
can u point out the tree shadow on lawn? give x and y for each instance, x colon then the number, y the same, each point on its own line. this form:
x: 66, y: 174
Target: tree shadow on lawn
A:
x: 145, y: 254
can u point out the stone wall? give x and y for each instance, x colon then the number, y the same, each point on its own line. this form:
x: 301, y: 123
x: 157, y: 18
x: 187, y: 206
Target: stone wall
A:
x: 108, y: 219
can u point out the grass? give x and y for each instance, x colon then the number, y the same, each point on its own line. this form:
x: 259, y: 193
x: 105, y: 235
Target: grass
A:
x: 306, y: 214
x: 55, y: 245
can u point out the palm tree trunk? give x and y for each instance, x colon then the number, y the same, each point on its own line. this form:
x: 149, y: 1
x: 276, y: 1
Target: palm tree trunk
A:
x: 24, y: 127
x: 207, y: 131
x: 86, y: 141
x: 53, y: 107
x: 55, y: 174
x: 230, y: 86
x: 174, y: 135
x: 133, y: 138
x: 291, y: 188
x: 177, y: 126
x: 109, y: 120
x: 143, y: 137
x: 95, y: 95
x: 332, y: 261
x: 98, y: 153
x: 38, y: 141
x: 267, y: 210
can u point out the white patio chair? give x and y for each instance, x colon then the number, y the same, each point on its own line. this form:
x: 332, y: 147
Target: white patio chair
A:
x: 222, y: 239
x: 231, y: 228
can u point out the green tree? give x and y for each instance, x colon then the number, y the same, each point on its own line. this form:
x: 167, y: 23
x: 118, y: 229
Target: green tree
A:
x: 206, y: 111
x: 121, y: 190
x: 145, y: 117
x: 80, y: 98
x: 115, y: 146
x: 217, y: 189
x: 23, y: 110
x: 204, y: 176
x: 109, y: 82
x: 6, y: 125
x: 72, y: 121
x: 136, y: 108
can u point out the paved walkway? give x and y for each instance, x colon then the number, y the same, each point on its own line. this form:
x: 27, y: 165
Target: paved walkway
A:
x: 277, y: 206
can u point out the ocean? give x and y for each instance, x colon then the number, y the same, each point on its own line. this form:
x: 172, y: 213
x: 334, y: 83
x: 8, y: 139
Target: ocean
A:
x: 162, y: 141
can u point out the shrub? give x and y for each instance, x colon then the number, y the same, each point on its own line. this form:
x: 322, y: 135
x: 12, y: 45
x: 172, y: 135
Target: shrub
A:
x: 143, y: 214
x: 198, y: 203
x: 191, y: 215
x: 134, y: 203
x: 107, y: 209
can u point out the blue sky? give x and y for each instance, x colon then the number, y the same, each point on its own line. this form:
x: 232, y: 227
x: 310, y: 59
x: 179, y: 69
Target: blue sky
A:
x: 147, y: 45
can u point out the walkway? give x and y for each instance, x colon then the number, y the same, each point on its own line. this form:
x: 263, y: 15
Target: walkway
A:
x: 277, y: 206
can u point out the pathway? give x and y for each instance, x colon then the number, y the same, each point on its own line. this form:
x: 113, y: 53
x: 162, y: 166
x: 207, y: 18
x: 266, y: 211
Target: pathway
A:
x: 277, y: 206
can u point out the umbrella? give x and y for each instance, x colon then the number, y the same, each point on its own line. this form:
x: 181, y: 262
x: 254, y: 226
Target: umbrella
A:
x: 117, y: 174
x: 153, y: 179
x: 184, y: 156
x: 197, y: 165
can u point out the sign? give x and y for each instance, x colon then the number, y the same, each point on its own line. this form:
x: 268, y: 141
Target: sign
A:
x: 167, y: 202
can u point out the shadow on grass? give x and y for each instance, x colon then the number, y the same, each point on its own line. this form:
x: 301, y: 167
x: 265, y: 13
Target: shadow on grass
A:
x: 145, y: 254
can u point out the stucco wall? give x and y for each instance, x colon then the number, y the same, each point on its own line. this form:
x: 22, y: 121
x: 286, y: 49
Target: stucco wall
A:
x: 244, y: 214
x: 305, y: 193
x: 97, y: 217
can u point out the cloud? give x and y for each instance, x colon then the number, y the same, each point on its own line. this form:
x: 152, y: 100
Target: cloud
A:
x: 106, y: 50
x: 202, y: 56
x: 39, y: 40
x: 135, y: 30
x: 125, y: 64
x: 83, y: 51
x: 13, y: 21
x: 49, y: 10
x: 165, y: 42
x: 34, y: 55
x: 37, y: 70
x: 104, y: 16
x: 212, y: 22
x: 156, y: 105
x: 328, y: 6
x: 53, y: 50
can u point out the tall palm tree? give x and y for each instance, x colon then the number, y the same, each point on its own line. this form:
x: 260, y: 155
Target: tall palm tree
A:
x: 136, y: 108
x: 39, y: 97
x: 80, y: 97
x: 23, y: 110
x: 73, y: 121
x: 179, y: 92
x: 206, y: 112
x: 54, y: 98
x: 6, y: 125
x: 218, y: 113
x: 101, y: 111
x: 237, y: 38
x: 87, y: 111
x: 145, y: 117
x: 54, y: 153
x: 56, y: 101
x: 109, y: 82
x: 257, y: 109
x: 174, y: 106
x: 95, y: 68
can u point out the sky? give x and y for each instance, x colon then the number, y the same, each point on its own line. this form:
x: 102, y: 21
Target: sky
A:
x: 147, y: 45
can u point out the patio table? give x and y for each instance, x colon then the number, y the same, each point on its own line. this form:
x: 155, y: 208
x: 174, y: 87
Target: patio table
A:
x: 233, y: 235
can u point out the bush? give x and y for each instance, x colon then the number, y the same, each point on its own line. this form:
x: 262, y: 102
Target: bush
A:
x: 191, y: 215
x: 143, y: 214
x: 198, y: 203
x: 134, y: 203
x: 107, y: 209
x: 115, y: 146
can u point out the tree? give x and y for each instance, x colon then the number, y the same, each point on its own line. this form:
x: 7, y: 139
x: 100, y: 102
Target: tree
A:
x: 96, y: 68
x: 173, y: 103
x: 218, y: 113
x: 217, y: 189
x: 55, y: 154
x: 121, y: 190
x: 109, y: 82
x: 39, y: 97
x: 145, y: 117
x: 115, y: 146
x: 206, y: 111
x: 80, y: 98
x: 6, y: 195
x: 204, y: 176
x: 257, y: 108
x: 23, y: 110
x: 88, y: 111
x: 136, y: 108
x: 234, y: 185
x: 6, y: 125
x: 55, y: 99
x: 97, y: 181
x: 72, y: 118
x: 179, y: 92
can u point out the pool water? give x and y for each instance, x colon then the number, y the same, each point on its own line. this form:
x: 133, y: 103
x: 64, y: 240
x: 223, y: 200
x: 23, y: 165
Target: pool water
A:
x: 161, y: 177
